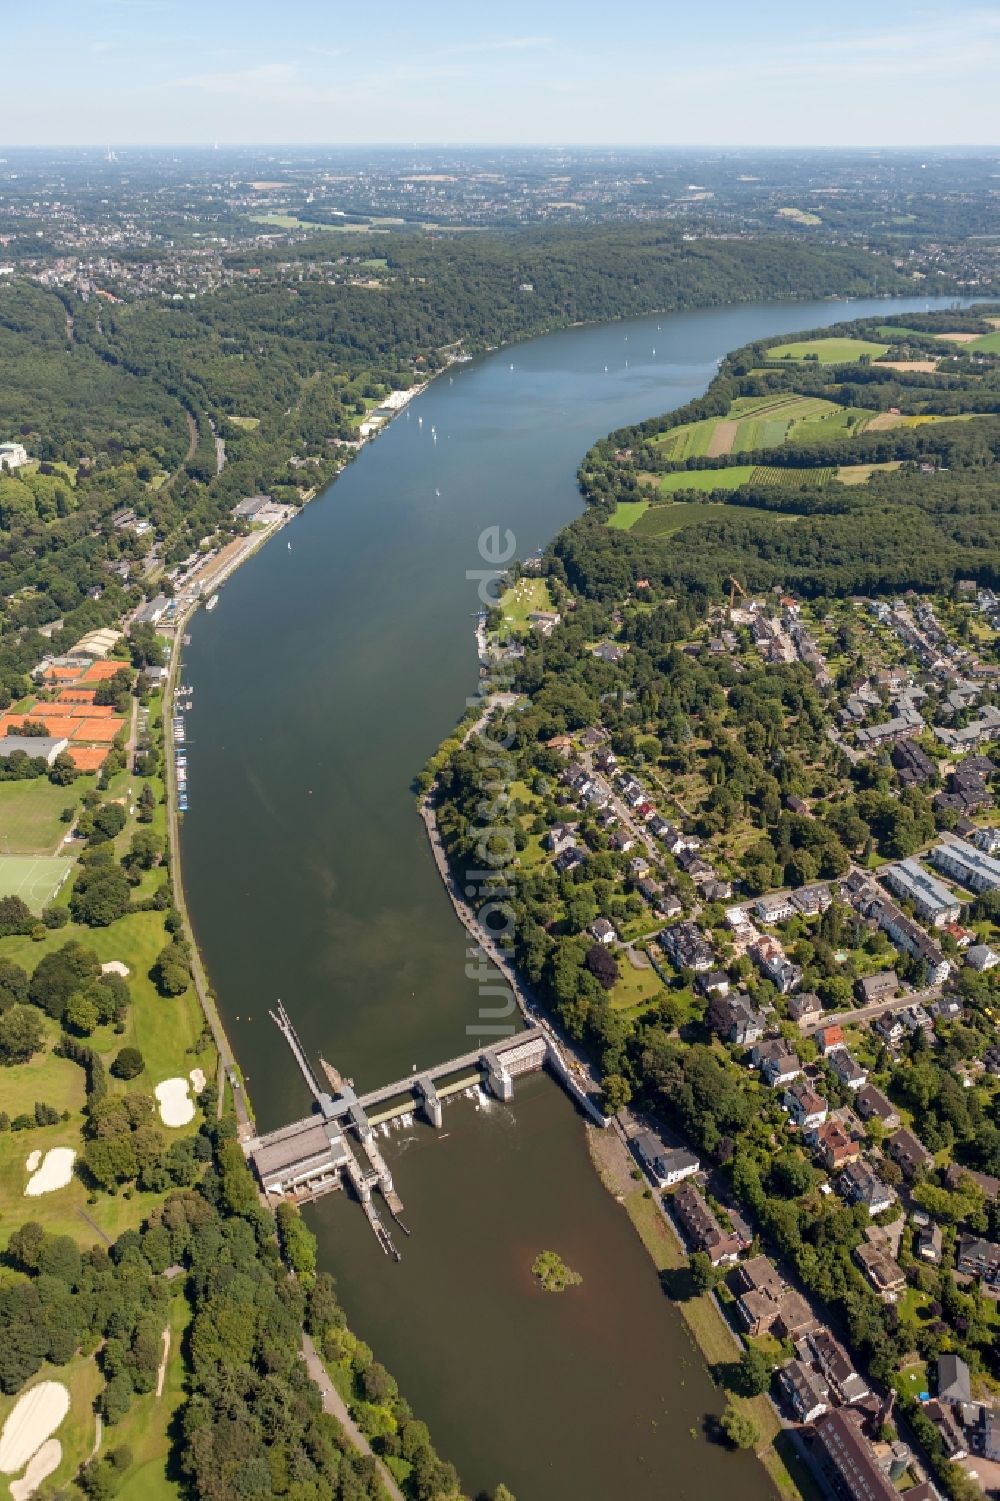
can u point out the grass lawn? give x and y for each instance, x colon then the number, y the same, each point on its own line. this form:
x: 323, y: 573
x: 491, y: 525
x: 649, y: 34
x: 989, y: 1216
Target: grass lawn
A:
x: 634, y: 987
x: 705, y: 480
x: 527, y: 595
x: 248, y: 423
x: 29, y: 814
x: 54, y: 1081
x: 34, y: 878
x: 627, y: 513
x: 988, y: 344
x: 145, y: 1427
x: 827, y: 351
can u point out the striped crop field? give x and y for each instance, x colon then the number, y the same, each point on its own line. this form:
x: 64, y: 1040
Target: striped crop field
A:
x: 764, y: 474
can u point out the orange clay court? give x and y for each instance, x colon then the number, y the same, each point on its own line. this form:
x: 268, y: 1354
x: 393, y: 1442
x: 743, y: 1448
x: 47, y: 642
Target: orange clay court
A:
x: 88, y: 757
x: 98, y: 671
x: 76, y: 696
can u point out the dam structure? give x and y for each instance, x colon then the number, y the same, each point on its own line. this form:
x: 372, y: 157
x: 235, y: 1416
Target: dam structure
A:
x: 337, y: 1143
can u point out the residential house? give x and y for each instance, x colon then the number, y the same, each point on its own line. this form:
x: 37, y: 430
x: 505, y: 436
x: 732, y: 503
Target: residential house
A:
x: 830, y: 1037
x: 913, y: 765
x: 911, y: 1154
x: 567, y: 861
x: 777, y: 1064
x: 885, y: 1275
x: 835, y: 1364
x: 805, y: 1390
x: 774, y: 909
x: 805, y: 1007
x: 834, y: 1145
x: 948, y: 1427
x: 687, y: 947
x: 806, y: 1108
x: 988, y: 1185
x: 931, y: 900
x: 967, y: 864
x: 930, y: 1244
x: 769, y: 955
x: 954, y: 1383
x: 603, y: 931
x: 847, y: 1068
x: 669, y: 904
x: 859, y: 1185
x: 889, y: 1029
x: 734, y: 1018
x: 873, y: 1105
x: 561, y: 836
x: 701, y: 1226
x: 666, y: 1166
x: 715, y: 982
x: 810, y: 900
x: 979, y: 1258
x: 873, y: 988
x: 981, y: 957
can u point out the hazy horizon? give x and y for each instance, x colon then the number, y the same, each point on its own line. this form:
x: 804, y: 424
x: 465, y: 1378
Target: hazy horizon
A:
x: 176, y: 73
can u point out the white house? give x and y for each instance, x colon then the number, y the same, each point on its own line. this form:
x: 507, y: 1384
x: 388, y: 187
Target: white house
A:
x: 13, y: 455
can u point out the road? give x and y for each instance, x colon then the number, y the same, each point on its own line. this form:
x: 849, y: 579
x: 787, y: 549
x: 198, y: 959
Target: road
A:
x: 226, y: 1055
x: 808, y: 1025
x: 637, y: 829
x: 334, y: 1404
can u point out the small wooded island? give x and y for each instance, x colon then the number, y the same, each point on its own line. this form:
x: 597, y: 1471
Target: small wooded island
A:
x: 553, y: 1273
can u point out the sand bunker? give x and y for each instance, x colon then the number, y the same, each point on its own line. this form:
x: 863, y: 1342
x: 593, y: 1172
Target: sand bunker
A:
x: 115, y: 967
x: 40, y: 1467
x: 176, y: 1104
x: 198, y: 1081
x: 55, y: 1172
x: 33, y: 1419
x: 32, y: 1160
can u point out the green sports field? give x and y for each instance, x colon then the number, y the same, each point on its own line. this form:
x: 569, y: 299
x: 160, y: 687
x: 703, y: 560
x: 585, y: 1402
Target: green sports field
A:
x: 34, y: 878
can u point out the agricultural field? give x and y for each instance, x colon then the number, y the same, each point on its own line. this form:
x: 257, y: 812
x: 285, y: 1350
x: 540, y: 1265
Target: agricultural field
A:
x: 827, y: 351
x: 987, y: 343
x: 791, y: 478
x: 663, y: 520
x: 860, y: 474
x: 755, y: 422
x: 627, y: 513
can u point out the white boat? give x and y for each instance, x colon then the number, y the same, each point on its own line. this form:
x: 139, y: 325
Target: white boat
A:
x: 212, y: 602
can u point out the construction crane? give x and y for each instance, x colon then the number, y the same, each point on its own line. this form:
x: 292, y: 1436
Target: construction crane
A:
x: 735, y: 587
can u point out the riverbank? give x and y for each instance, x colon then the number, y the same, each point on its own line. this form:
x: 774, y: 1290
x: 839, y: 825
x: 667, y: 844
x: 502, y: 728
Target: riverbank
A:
x: 710, y: 1331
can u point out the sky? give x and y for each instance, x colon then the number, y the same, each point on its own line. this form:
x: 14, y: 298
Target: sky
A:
x: 652, y: 72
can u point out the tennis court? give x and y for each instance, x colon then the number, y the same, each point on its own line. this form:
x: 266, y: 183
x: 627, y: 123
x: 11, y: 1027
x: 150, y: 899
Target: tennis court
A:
x: 34, y: 878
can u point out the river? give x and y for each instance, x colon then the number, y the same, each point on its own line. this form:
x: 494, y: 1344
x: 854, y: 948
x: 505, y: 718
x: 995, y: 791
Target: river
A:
x: 329, y: 672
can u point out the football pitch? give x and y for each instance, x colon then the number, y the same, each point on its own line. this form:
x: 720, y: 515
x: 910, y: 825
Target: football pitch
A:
x: 34, y: 878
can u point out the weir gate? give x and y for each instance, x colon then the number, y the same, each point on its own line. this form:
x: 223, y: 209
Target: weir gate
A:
x: 337, y: 1143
